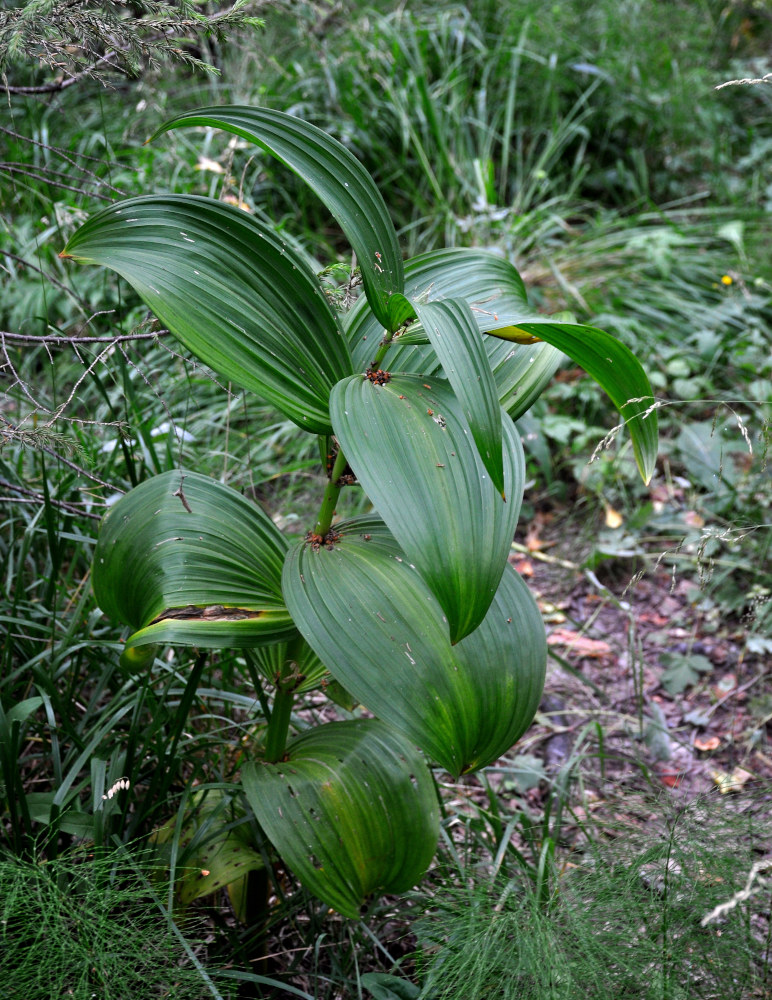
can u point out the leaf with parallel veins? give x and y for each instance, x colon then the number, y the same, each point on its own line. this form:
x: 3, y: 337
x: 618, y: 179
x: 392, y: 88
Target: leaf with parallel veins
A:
x: 373, y: 621
x: 206, y: 572
x: 339, y: 180
x: 494, y: 292
x: 412, y: 450
x: 460, y: 348
x: 231, y: 291
x: 614, y: 367
x: 351, y: 809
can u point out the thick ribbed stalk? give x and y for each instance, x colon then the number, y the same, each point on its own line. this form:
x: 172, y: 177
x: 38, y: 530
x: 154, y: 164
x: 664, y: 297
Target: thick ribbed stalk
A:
x: 330, y: 498
x: 286, y: 681
x: 382, y: 350
x: 278, y: 727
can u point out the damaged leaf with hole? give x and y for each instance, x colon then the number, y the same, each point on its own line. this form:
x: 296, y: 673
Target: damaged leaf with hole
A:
x: 206, y: 572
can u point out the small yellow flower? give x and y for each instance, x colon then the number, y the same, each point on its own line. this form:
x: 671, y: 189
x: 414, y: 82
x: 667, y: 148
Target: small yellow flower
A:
x: 726, y: 279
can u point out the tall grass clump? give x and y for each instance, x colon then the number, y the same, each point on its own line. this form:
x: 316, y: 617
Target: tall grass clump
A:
x: 475, y: 115
x: 85, y: 926
x: 623, y: 917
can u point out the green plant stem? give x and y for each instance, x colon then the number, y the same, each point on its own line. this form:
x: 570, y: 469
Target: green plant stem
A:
x: 187, y: 699
x: 332, y: 492
x: 382, y: 351
x: 276, y: 733
x: 330, y: 498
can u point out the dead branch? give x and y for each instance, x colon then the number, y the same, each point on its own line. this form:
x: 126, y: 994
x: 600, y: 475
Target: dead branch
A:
x: 55, y: 340
x: 767, y: 78
x: 30, y: 496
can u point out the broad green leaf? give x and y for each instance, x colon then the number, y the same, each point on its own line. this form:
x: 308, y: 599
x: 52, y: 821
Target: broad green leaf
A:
x: 683, y: 670
x: 494, y: 291
x: 307, y: 669
x: 460, y: 349
x: 20, y: 712
x: 496, y: 295
x: 352, y: 810
x: 615, y: 368
x: 523, y: 374
x: 231, y: 291
x: 183, y: 559
x: 411, y: 449
x: 386, y: 987
x: 72, y: 821
x: 216, y: 849
x: 340, y: 181
x: 377, y: 626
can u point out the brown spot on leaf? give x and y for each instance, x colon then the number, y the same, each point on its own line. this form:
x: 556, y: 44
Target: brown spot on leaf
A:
x: 207, y: 613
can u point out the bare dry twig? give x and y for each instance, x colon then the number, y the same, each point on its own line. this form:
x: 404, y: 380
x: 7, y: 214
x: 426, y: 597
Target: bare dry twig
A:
x: 767, y: 78
x: 32, y: 497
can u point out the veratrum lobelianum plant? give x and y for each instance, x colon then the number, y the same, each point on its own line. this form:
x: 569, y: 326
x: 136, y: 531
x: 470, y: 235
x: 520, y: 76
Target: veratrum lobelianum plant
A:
x: 414, y: 609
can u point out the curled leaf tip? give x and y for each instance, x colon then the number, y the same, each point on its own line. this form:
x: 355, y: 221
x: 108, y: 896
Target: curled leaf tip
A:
x: 515, y: 335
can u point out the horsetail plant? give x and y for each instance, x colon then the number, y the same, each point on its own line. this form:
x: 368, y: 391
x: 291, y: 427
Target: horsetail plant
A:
x: 415, y: 608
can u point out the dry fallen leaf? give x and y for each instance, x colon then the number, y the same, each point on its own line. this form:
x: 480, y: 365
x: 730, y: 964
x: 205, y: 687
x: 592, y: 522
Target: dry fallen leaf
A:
x: 595, y: 649
x: 231, y: 199
x: 668, y: 774
x: 722, y: 688
x: 523, y: 566
x: 533, y: 539
x: 731, y: 782
x: 707, y: 743
x: 551, y: 613
x: 212, y: 166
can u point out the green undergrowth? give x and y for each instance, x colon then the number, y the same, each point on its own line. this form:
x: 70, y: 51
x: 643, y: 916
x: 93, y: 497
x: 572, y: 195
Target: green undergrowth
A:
x: 517, y: 112
x: 90, y: 925
x: 621, y: 915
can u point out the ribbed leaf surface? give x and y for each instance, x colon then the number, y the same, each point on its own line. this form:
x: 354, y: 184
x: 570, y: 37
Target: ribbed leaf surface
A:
x: 235, y: 295
x: 223, y: 852
x: 412, y: 450
x: 460, y: 349
x: 339, y: 180
x: 616, y: 369
x: 352, y: 810
x: 203, y: 572
x: 309, y: 672
x: 495, y: 293
x: 377, y: 626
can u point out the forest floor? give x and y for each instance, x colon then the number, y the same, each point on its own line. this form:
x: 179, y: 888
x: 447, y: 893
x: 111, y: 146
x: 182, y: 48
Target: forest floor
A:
x: 679, y: 693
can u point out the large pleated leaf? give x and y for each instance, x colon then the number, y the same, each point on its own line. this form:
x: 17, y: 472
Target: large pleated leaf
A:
x: 523, y: 374
x: 183, y: 559
x: 411, y: 449
x: 371, y: 618
x: 339, y: 180
x: 460, y: 349
x: 494, y: 291
x: 615, y: 368
x: 351, y: 809
x: 228, y: 287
